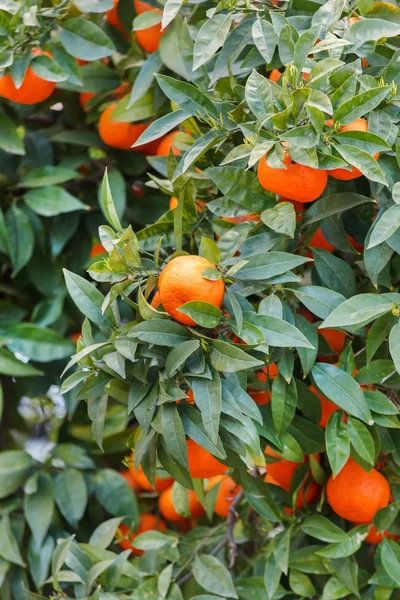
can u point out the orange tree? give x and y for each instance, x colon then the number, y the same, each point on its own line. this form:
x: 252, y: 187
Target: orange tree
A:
x: 239, y: 356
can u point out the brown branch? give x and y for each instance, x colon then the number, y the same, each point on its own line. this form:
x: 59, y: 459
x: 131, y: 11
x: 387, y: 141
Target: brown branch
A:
x: 226, y: 541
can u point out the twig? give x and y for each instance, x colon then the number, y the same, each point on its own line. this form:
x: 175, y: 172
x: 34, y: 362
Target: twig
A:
x: 227, y: 540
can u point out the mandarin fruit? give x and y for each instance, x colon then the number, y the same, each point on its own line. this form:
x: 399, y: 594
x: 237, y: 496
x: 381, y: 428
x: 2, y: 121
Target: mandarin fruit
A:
x: 140, y: 479
x: 168, y: 511
x: 262, y: 397
x: 167, y: 144
x: 149, y: 38
x: 295, y: 182
x: 202, y: 464
x: 97, y: 249
x: 318, y: 240
x: 122, y: 135
x: 228, y: 489
x: 375, y: 537
x: 147, y: 522
x: 357, y: 495
x: 335, y: 339
x: 327, y: 407
x: 33, y: 88
x: 182, y: 281
x: 342, y: 174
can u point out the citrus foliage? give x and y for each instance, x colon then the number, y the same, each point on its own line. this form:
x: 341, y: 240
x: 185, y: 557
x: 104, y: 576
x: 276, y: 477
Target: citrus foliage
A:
x: 250, y: 327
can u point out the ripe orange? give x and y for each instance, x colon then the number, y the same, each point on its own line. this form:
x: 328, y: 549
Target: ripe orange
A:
x: 119, y: 92
x: 97, y: 249
x: 281, y: 472
x: 307, y: 314
x: 156, y: 302
x: 327, y: 407
x: 148, y: 522
x: 313, y: 492
x: 295, y: 182
x: 33, y: 89
x: 202, y: 464
x: 262, y: 397
x: 318, y: 240
x: 357, y: 125
x: 141, y: 7
x: 375, y: 537
x: 167, y: 508
x: 167, y: 144
x: 182, y: 281
x: 227, y: 491
x: 122, y: 135
x: 143, y: 483
x: 173, y: 203
x: 336, y: 339
x: 113, y: 19
x: 357, y: 495
x: 75, y: 337
x: 149, y: 39
x: 274, y: 75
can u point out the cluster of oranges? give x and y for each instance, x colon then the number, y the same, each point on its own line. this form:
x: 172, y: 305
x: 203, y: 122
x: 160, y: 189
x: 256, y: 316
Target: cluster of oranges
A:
x: 202, y: 465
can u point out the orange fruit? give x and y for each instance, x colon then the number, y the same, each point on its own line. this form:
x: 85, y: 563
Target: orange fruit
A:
x: 141, y: 7
x: 167, y: 144
x: 375, y: 537
x: 202, y: 464
x: 80, y: 62
x: 262, y: 397
x: 357, y: 125
x: 97, y: 249
x: 148, y: 522
x: 173, y: 203
x: 313, y: 492
x: 274, y: 75
x: 353, y: 20
x: 281, y: 472
x: 357, y: 495
x: 327, y: 407
x: 295, y: 182
x: 168, y: 511
x: 143, y: 483
x: 182, y: 281
x: 228, y: 489
x: 149, y: 39
x: 75, y: 337
x: 355, y: 244
x: 113, y: 19
x: 336, y: 339
x: 84, y: 98
x: 122, y: 135
x: 127, y: 475
x: 307, y: 314
x: 318, y: 240
x: 156, y: 302
x: 33, y: 89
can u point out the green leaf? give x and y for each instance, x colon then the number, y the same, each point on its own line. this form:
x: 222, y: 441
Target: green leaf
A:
x: 9, y: 549
x: 378, y: 334
x: 161, y: 126
x: 360, y: 105
x: 335, y: 273
x: 300, y: 584
x: 278, y: 333
x: 207, y: 395
x: 258, y: 93
x: 213, y: 576
x: 265, y: 39
x: 394, y: 345
x: 60, y: 554
x: 386, y: 226
x: 115, y: 495
x: 363, y: 161
x: 88, y: 299
x: 358, y: 311
x: 85, y: 40
x: 361, y: 440
x: 104, y: 534
x: 108, y: 205
x: 179, y: 355
x: 283, y: 403
x: 340, y: 388
x: 160, y: 332
x: 21, y: 238
x: 272, y: 576
x: 210, y: 38
x: 390, y: 558
x: 319, y: 300
x: 39, y: 507
x: 210, y: 250
x: 145, y: 20
x: 97, y: 409
x: 187, y: 97
x: 304, y: 45
x: 196, y: 151
x: 37, y: 343
x: 335, y: 204
x: 203, y: 313
x: 15, y: 468
x: 47, y: 176
x: 242, y: 187
x: 10, y: 365
x: 225, y: 357
x: 264, y: 266
x: 70, y: 494
x: 10, y: 140
x: 174, y: 435
x: 323, y: 529
x: 307, y: 355
x: 280, y: 218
